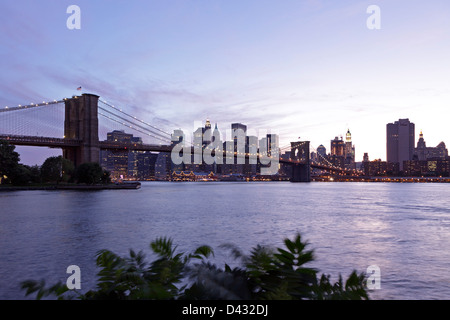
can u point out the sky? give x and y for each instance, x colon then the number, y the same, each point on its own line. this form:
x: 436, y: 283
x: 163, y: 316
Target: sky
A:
x: 310, y: 69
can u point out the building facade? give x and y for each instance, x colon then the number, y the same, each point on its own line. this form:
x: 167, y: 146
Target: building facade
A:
x: 128, y: 164
x: 427, y: 168
x: 116, y: 161
x: 400, y: 141
x: 422, y: 152
x: 349, y: 151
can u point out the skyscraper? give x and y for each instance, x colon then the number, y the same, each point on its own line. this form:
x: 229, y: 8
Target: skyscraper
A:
x: 239, y: 134
x: 337, y: 153
x: 177, y: 137
x: 116, y: 161
x: 400, y: 141
x: 349, y: 151
x: 163, y: 166
x: 366, y: 157
x: 146, y: 165
x: 207, y: 134
x: 337, y: 147
x: 272, y: 145
x: 322, y: 151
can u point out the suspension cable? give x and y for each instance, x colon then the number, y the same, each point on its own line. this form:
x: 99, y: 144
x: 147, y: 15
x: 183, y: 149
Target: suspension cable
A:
x: 132, y: 123
x: 136, y: 119
x: 131, y: 127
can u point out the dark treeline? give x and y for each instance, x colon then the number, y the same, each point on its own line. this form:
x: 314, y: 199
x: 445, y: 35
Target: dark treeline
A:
x: 54, y: 170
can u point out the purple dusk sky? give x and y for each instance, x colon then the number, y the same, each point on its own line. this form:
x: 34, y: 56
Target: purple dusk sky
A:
x: 297, y: 68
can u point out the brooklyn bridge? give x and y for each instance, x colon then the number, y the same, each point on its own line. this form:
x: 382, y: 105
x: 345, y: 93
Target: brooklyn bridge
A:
x: 77, y: 134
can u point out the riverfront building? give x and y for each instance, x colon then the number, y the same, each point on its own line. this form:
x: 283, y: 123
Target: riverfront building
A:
x: 128, y: 164
x: 422, y: 152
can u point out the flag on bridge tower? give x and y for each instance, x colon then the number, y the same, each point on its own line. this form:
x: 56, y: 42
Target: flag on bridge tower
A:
x: 79, y: 88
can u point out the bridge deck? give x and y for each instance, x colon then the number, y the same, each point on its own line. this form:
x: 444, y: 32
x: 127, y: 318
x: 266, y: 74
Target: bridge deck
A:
x: 40, y: 141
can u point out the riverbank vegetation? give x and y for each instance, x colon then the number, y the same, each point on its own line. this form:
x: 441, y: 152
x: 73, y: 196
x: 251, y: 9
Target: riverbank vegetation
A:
x: 264, y: 274
x: 54, y: 171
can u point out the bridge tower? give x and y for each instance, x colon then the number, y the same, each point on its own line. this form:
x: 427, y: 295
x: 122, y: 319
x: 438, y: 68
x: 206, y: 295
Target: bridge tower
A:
x: 301, y: 172
x: 81, y: 123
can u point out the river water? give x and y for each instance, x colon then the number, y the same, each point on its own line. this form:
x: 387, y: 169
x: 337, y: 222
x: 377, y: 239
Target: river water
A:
x: 403, y: 228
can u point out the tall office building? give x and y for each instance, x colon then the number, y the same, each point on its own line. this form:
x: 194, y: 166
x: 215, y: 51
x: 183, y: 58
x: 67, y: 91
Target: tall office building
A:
x: 207, y: 134
x: 239, y: 134
x: 216, y: 135
x: 273, y: 145
x: 146, y: 165
x: 203, y: 137
x: 366, y: 157
x: 133, y: 159
x: 337, y: 147
x: 349, y: 151
x: 251, y: 165
x: 116, y: 161
x: 400, y: 141
x: 176, y: 138
x: 163, y: 166
x: 349, y: 147
x: 337, y: 152
x: 128, y: 164
x: 322, y: 151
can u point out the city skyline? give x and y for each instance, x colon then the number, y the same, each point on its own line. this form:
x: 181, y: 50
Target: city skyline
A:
x: 302, y: 68
x: 225, y: 134
x: 405, y: 158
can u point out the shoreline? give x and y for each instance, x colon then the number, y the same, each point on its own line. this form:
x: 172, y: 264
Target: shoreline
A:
x: 112, y: 186
x: 387, y: 179
x: 135, y: 185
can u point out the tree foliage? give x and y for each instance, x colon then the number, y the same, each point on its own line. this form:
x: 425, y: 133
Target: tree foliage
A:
x: 21, y: 175
x: 265, y: 274
x: 57, y: 169
x: 9, y: 161
x: 91, y: 173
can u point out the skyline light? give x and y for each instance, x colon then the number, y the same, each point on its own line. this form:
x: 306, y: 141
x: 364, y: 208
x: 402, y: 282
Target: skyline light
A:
x: 298, y: 68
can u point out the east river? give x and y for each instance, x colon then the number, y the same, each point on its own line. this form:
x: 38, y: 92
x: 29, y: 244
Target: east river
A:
x: 403, y: 228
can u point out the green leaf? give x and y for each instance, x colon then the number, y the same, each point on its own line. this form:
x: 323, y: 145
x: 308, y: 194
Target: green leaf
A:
x: 204, y: 251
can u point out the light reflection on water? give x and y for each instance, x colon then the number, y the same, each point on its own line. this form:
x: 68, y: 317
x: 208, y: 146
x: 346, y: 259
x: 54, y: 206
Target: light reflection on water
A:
x: 402, y: 228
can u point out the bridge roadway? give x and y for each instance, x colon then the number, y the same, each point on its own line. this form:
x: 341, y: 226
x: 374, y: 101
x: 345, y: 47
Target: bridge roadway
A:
x: 52, y: 142
x: 40, y: 141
